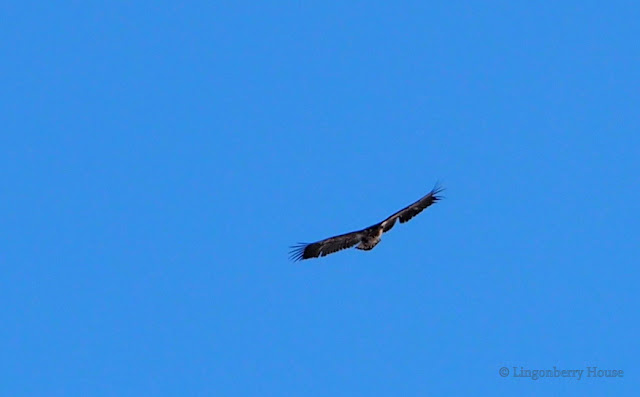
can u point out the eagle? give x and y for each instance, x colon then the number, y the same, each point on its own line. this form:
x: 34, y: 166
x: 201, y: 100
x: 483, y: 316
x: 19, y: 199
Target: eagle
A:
x: 366, y: 238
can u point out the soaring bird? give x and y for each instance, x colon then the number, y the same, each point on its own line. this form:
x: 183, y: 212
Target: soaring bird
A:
x: 365, y: 238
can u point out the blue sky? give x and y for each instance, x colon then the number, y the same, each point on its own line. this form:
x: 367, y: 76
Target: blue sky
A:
x: 159, y: 158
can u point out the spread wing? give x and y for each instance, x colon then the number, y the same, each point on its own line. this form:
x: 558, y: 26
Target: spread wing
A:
x: 326, y: 246
x: 412, y: 210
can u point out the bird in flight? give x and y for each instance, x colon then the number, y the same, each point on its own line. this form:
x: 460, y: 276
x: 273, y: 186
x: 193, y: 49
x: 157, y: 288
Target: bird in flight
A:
x: 365, y: 238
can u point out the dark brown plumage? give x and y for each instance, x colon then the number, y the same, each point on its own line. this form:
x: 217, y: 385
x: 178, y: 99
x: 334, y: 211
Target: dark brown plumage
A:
x: 365, y: 238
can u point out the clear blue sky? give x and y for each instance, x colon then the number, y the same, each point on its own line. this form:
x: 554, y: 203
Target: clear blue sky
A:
x: 158, y: 158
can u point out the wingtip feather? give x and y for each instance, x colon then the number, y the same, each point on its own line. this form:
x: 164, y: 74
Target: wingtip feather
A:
x: 436, y: 190
x: 297, y: 252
